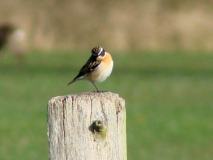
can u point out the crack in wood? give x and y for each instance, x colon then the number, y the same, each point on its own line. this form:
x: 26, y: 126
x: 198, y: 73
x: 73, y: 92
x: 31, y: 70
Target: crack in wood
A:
x: 102, y: 110
x: 63, y: 123
x: 91, y: 109
x: 72, y: 104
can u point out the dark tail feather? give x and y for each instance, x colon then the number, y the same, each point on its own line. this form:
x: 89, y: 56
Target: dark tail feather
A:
x: 75, y: 79
x: 71, y: 81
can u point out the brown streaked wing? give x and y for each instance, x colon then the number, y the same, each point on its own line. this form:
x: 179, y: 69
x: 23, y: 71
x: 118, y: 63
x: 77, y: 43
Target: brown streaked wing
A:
x: 90, y: 65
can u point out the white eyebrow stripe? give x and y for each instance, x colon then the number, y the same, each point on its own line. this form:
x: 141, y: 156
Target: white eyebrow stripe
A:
x: 100, y: 51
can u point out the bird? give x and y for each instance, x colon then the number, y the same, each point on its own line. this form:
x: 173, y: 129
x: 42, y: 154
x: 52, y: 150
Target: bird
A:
x: 97, y: 68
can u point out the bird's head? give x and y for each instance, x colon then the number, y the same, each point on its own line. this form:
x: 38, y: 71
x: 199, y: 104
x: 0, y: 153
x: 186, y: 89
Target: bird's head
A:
x: 98, y: 52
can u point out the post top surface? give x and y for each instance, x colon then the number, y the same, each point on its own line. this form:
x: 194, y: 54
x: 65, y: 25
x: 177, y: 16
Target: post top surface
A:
x: 92, y: 94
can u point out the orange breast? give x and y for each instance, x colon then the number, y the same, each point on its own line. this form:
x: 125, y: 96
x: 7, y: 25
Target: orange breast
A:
x: 103, y: 70
x: 107, y: 58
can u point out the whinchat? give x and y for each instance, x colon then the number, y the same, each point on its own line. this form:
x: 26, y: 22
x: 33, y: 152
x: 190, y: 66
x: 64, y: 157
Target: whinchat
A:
x: 97, y: 68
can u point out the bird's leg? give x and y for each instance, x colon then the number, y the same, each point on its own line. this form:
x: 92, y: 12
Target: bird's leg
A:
x: 93, y: 83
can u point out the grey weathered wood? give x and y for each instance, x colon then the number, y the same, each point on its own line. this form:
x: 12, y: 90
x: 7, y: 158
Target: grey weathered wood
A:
x: 69, y: 133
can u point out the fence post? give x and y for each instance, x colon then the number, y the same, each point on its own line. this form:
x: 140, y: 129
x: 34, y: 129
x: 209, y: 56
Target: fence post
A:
x: 87, y: 126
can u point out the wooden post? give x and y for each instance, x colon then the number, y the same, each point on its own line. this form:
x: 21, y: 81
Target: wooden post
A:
x: 87, y: 126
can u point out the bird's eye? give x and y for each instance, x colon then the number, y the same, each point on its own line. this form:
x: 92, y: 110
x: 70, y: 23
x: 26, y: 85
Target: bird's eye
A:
x: 102, y: 53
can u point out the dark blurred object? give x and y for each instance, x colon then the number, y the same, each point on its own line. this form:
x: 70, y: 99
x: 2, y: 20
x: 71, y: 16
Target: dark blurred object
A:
x: 5, y: 31
x: 14, y: 39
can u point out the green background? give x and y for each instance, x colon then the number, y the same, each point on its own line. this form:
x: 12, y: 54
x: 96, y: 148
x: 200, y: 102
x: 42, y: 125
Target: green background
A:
x: 168, y: 99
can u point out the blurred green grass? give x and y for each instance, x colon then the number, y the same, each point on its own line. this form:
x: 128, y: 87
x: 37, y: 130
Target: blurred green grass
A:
x: 168, y: 100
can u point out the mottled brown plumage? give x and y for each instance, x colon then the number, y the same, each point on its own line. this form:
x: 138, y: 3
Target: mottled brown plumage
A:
x: 97, y: 68
x: 90, y: 65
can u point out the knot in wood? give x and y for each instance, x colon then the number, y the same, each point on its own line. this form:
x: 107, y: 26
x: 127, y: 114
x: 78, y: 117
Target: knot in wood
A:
x: 98, y: 127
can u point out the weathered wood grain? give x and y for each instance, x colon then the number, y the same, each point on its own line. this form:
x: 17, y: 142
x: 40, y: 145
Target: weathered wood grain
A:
x: 70, y: 119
